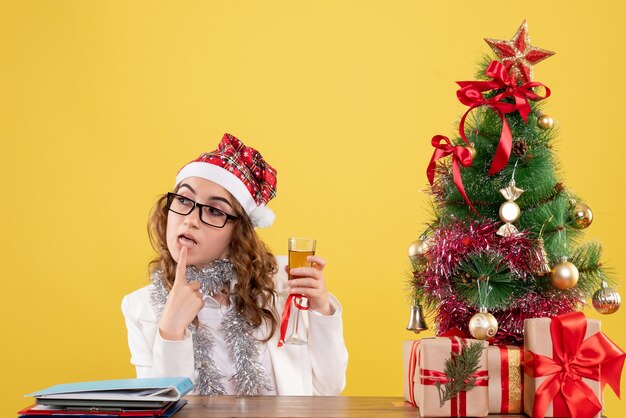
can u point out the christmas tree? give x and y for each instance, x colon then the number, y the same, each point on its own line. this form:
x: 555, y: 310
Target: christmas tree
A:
x: 506, y: 242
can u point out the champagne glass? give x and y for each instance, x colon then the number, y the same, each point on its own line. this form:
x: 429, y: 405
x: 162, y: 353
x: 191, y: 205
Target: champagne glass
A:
x: 299, y: 250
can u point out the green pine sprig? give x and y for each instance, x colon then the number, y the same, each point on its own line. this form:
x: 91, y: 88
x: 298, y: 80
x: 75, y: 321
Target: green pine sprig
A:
x: 459, y: 370
x: 586, y: 257
x: 500, y: 288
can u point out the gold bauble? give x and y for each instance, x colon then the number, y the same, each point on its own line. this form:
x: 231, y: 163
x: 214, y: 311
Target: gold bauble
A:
x: 472, y: 151
x: 545, y: 122
x: 418, y: 248
x: 509, y: 212
x: 564, y: 275
x: 606, y: 300
x: 483, y: 325
x: 581, y: 216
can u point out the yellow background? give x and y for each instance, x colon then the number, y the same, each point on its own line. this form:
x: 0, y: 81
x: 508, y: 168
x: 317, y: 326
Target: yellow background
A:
x: 103, y: 101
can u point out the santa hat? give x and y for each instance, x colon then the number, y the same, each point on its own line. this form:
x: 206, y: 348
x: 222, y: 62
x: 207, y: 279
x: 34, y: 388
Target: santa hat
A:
x: 243, y: 172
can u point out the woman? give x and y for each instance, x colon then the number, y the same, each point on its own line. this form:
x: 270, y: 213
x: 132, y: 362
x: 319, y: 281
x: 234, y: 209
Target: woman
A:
x: 211, y: 312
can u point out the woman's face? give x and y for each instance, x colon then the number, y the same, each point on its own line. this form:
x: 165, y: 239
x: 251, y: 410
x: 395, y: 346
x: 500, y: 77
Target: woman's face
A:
x: 205, y: 242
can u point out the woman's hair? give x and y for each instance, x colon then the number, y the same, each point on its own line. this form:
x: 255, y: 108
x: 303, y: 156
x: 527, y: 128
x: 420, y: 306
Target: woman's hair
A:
x: 254, y: 265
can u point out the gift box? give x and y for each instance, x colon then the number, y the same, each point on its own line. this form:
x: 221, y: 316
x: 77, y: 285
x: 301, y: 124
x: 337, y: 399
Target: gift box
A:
x: 506, y: 379
x: 409, y: 351
x: 567, y: 362
x: 425, y: 368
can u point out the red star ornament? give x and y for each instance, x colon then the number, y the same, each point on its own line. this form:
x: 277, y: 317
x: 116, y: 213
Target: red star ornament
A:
x: 518, y: 55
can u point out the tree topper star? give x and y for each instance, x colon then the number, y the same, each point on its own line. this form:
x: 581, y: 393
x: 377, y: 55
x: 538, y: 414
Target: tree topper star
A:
x: 517, y: 55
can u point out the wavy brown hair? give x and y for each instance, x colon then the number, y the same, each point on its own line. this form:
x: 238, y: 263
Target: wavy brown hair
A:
x: 254, y: 264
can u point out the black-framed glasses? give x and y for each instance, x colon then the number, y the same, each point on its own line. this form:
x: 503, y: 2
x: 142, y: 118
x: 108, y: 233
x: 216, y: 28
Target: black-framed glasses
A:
x: 208, y: 214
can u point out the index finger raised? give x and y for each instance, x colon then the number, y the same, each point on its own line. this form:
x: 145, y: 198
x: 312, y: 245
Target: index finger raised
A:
x: 181, y: 268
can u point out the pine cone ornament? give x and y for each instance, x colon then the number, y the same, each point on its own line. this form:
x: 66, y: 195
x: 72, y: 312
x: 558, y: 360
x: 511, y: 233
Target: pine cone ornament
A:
x: 520, y: 148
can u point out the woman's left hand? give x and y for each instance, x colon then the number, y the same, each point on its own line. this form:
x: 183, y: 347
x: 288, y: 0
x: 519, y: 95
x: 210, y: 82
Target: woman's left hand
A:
x: 309, y: 282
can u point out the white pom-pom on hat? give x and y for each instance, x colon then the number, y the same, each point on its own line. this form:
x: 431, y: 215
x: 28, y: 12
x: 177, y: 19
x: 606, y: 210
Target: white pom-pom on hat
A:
x: 262, y: 216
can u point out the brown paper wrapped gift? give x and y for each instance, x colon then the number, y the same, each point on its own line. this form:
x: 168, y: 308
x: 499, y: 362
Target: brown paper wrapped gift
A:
x: 505, y: 379
x: 409, y: 357
x: 429, y: 358
x: 567, y: 362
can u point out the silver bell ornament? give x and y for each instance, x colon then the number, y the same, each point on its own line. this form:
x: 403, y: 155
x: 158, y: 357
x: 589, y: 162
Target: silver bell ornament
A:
x: 416, y: 323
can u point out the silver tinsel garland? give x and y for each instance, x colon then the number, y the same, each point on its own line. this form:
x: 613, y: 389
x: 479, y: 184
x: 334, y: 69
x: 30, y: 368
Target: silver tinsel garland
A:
x: 250, y: 376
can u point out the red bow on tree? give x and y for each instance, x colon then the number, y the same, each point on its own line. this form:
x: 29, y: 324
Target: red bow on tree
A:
x: 460, y: 155
x: 596, y: 358
x: 471, y: 94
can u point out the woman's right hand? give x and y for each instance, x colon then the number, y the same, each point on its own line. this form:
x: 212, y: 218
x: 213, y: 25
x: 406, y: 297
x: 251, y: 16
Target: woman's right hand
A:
x: 183, y: 303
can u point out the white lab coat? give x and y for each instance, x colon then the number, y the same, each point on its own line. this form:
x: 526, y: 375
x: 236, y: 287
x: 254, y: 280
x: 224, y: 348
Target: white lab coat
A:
x: 317, y: 368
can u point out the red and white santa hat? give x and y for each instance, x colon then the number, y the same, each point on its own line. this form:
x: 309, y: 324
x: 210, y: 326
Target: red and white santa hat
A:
x: 243, y: 172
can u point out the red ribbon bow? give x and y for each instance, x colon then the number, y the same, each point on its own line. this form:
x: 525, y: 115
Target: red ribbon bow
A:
x: 471, y: 94
x: 284, y: 321
x: 596, y: 358
x: 460, y: 155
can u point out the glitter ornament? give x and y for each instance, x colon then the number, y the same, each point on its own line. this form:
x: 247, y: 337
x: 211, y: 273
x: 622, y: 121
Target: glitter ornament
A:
x: 606, y: 300
x: 564, y: 274
x: 545, y: 122
x: 509, y: 211
x: 581, y: 216
x: 419, y: 247
x: 483, y: 325
x: 544, y: 262
x: 518, y: 55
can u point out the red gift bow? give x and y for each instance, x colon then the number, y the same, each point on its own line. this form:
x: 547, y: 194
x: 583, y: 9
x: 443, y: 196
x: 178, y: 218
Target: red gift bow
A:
x: 596, y: 358
x: 460, y: 155
x: 458, y: 406
x: 284, y: 320
x: 471, y: 94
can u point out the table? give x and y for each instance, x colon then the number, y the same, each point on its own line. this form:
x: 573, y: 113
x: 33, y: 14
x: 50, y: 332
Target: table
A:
x: 299, y: 406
